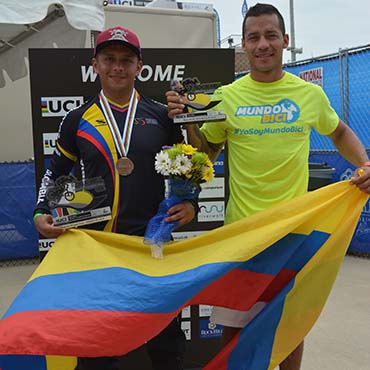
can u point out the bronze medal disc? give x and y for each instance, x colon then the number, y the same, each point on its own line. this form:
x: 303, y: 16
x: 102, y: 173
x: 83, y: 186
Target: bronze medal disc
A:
x: 125, y: 166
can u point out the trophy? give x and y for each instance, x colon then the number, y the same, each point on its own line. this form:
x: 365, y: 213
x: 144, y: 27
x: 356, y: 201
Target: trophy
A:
x: 199, y: 101
x: 76, y: 202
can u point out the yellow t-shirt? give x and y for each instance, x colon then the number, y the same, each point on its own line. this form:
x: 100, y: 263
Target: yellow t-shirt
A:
x: 268, y: 134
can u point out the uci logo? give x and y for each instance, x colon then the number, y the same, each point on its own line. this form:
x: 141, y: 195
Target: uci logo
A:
x: 45, y: 244
x: 49, y: 142
x: 59, y: 106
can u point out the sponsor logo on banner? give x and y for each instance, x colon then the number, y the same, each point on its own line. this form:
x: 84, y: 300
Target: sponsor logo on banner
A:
x: 362, y: 233
x: 186, y: 328
x: 195, y: 6
x: 218, y: 165
x: 182, y: 235
x: 47, y: 162
x: 214, y: 189
x: 49, y: 141
x: 347, y: 174
x: 45, y: 244
x: 157, y: 73
x: 58, y: 106
x: 209, y: 330
x: 315, y: 76
x: 211, y: 211
x: 205, y: 310
x: 186, y: 312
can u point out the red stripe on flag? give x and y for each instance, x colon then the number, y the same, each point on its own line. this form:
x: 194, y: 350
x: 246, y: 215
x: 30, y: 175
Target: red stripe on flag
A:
x: 220, y: 362
x: 281, y: 280
x: 241, y: 289
x: 93, y: 333
x: 90, y: 333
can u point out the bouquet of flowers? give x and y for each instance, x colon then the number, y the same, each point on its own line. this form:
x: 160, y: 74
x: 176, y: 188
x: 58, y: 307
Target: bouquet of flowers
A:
x: 186, y: 169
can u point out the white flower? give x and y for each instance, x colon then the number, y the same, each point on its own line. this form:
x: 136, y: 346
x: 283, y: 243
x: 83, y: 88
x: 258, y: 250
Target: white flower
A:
x: 183, y: 164
x: 173, y: 168
x: 162, y: 163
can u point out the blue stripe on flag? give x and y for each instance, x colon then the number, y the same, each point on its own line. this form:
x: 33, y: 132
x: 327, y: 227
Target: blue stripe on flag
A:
x: 124, y: 290
x: 255, y: 343
x: 122, y: 285
x: 291, y: 252
x: 22, y: 362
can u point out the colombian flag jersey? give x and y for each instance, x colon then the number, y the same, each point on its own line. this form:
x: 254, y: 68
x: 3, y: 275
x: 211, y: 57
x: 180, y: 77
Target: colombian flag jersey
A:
x: 85, y: 140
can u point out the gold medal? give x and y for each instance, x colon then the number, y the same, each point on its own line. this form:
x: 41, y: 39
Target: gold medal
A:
x: 125, y: 166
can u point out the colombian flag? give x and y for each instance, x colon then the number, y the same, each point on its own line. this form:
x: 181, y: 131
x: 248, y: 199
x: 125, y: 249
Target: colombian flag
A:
x: 102, y: 294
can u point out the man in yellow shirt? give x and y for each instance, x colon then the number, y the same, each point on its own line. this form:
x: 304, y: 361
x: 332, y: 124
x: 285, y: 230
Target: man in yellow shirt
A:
x: 270, y: 113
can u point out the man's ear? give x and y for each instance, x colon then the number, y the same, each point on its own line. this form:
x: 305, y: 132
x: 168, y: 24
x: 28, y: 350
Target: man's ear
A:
x: 94, y: 64
x: 139, y: 67
x: 286, y: 41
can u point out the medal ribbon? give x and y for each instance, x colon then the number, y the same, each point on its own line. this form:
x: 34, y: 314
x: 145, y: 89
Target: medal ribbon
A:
x: 122, y: 142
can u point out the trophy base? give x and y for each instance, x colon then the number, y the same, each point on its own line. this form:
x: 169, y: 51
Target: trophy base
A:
x: 83, y: 218
x: 199, y: 116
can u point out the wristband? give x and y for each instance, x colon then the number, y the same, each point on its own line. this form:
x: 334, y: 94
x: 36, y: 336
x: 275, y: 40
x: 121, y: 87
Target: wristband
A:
x: 366, y: 164
x: 37, y: 215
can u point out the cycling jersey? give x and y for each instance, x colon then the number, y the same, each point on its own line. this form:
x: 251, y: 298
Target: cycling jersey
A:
x: 85, y: 140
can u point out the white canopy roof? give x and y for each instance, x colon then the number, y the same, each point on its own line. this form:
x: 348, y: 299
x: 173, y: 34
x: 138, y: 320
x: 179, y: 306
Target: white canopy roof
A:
x: 28, y: 24
x: 83, y: 15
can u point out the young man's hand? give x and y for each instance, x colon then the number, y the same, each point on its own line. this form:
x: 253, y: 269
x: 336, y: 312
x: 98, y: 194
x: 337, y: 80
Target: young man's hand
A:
x: 44, y: 225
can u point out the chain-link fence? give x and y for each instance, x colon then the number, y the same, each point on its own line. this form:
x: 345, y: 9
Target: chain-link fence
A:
x: 18, y: 237
x: 241, y: 61
x: 345, y: 77
x: 19, y: 262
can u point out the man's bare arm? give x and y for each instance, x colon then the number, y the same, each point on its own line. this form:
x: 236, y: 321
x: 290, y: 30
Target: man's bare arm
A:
x: 197, y: 139
x: 351, y: 148
x: 348, y: 144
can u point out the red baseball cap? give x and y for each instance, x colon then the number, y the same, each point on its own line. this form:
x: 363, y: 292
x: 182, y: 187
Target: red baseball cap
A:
x: 118, y: 35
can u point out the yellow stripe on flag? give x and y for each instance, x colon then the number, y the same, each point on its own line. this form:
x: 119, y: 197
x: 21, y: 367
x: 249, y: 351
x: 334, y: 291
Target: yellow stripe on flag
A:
x: 320, y: 210
x: 313, y: 283
x: 61, y: 362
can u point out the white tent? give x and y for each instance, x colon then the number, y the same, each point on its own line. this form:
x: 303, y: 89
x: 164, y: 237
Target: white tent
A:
x: 28, y: 24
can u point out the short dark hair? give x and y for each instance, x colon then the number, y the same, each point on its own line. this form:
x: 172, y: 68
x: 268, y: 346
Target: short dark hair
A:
x: 261, y: 9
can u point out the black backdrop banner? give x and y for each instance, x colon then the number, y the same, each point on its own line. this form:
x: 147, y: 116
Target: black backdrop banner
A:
x: 62, y: 79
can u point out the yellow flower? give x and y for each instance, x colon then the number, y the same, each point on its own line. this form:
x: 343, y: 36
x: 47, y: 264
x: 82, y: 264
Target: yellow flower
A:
x: 208, y: 174
x: 188, y: 149
x: 209, y: 163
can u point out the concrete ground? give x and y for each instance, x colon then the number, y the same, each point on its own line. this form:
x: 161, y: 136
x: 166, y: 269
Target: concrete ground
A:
x: 340, y: 340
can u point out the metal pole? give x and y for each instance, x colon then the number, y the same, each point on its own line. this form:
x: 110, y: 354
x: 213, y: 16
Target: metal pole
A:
x: 347, y: 89
x: 341, y: 84
x: 292, y: 32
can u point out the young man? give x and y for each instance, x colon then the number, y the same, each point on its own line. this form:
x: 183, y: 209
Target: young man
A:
x: 269, y: 117
x: 116, y: 136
